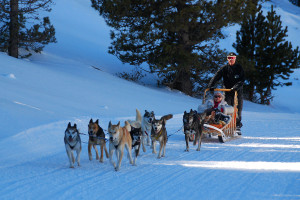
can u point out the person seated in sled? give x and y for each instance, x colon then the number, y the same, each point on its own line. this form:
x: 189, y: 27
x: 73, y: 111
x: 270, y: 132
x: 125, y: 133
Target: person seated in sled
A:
x: 217, y: 108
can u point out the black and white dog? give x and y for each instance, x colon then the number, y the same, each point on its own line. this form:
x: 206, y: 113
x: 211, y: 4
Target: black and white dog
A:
x: 72, y: 143
x: 193, y: 125
x: 136, y: 135
x: 146, y: 127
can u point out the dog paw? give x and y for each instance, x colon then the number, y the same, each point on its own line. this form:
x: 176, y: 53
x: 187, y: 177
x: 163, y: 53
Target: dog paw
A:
x: 117, y: 169
x: 90, y: 158
x: 187, y: 150
x: 72, y: 167
x: 101, y: 160
x: 197, y: 149
x: 158, y: 157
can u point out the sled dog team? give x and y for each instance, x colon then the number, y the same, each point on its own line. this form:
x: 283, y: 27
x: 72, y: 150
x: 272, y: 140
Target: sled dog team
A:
x: 131, y: 136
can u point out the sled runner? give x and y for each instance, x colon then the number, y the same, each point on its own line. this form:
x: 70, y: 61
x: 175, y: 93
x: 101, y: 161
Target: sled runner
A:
x: 224, y: 130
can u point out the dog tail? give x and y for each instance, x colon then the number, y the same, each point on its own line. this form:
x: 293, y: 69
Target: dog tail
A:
x: 167, y: 117
x: 138, y: 116
x: 127, y: 126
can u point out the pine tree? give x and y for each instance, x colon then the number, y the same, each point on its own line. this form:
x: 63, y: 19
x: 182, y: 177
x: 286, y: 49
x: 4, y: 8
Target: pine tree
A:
x: 246, y: 44
x: 278, y: 58
x: 177, y: 39
x: 271, y: 58
x: 15, y: 32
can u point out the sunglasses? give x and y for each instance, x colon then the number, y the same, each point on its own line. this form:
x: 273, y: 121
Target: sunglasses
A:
x: 217, y: 96
x: 231, y: 57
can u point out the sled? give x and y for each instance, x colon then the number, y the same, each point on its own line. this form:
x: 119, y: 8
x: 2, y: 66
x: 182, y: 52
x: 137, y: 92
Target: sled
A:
x: 224, y: 132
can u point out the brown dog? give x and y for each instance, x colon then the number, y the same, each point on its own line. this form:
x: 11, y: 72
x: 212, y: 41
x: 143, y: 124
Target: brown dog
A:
x: 119, y: 137
x: 96, y: 137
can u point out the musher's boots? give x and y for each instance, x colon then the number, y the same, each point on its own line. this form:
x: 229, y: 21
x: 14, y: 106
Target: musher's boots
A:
x: 238, y: 130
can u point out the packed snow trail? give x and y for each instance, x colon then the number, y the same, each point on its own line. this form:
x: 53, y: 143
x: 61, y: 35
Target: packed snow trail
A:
x: 263, y: 164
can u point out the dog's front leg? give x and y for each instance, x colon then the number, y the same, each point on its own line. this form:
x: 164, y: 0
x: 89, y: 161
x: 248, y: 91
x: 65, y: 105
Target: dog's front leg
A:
x: 90, y: 151
x: 78, y: 151
x: 69, y: 154
x: 101, y: 157
x: 97, y: 154
x: 143, y: 142
x: 154, y: 146
x: 160, y: 149
x: 120, y: 153
x: 111, y: 153
x: 199, y: 141
x: 137, y: 150
x: 187, y: 136
x: 148, y: 140
x: 128, y: 148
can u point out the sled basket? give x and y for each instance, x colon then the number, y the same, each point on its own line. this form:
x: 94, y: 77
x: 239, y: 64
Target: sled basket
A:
x: 224, y: 132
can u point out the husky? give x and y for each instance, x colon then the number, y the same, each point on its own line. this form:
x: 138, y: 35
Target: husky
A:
x: 72, y: 143
x: 193, y: 125
x: 96, y: 137
x: 159, y: 133
x: 119, y: 137
x: 147, y: 119
x: 136, y: 134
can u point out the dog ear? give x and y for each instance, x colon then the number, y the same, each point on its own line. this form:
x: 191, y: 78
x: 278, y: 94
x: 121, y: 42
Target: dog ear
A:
x: 184, y: 112
x: 118, y: 124
x: 109, y: 124
x: 69, y: 124
x: 97, y: 121
x: 75, y: 126
x: 163, y: 121
x: 91, y: 121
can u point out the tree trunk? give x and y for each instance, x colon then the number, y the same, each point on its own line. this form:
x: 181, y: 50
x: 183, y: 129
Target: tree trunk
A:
x: 183, y: 83
x: 251, y: 91
x: 13, y: 29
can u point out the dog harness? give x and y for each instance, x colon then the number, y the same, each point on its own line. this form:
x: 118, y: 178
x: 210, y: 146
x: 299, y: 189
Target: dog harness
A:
x: 159, y: 134
x: 146, y: 133
x: 72, y: 147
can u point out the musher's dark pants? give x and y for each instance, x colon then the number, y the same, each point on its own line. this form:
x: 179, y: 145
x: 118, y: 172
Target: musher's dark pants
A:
x: 229, y: 98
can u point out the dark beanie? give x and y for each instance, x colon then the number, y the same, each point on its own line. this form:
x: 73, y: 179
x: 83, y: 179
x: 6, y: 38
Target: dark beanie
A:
x: 231, y: 54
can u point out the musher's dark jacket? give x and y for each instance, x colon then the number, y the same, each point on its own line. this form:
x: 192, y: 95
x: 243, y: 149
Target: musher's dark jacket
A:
x: 233, y: 77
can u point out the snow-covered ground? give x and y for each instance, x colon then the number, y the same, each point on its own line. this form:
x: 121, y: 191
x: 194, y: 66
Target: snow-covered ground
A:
x: 40, y: 95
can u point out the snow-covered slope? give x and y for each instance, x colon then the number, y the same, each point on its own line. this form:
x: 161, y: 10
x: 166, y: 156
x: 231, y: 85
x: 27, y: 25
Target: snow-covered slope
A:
x: 38, y: 97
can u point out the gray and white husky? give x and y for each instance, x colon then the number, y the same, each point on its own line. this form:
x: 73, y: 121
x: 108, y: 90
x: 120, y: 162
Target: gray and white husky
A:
x: 72, y: 143
x: 146, y: 127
